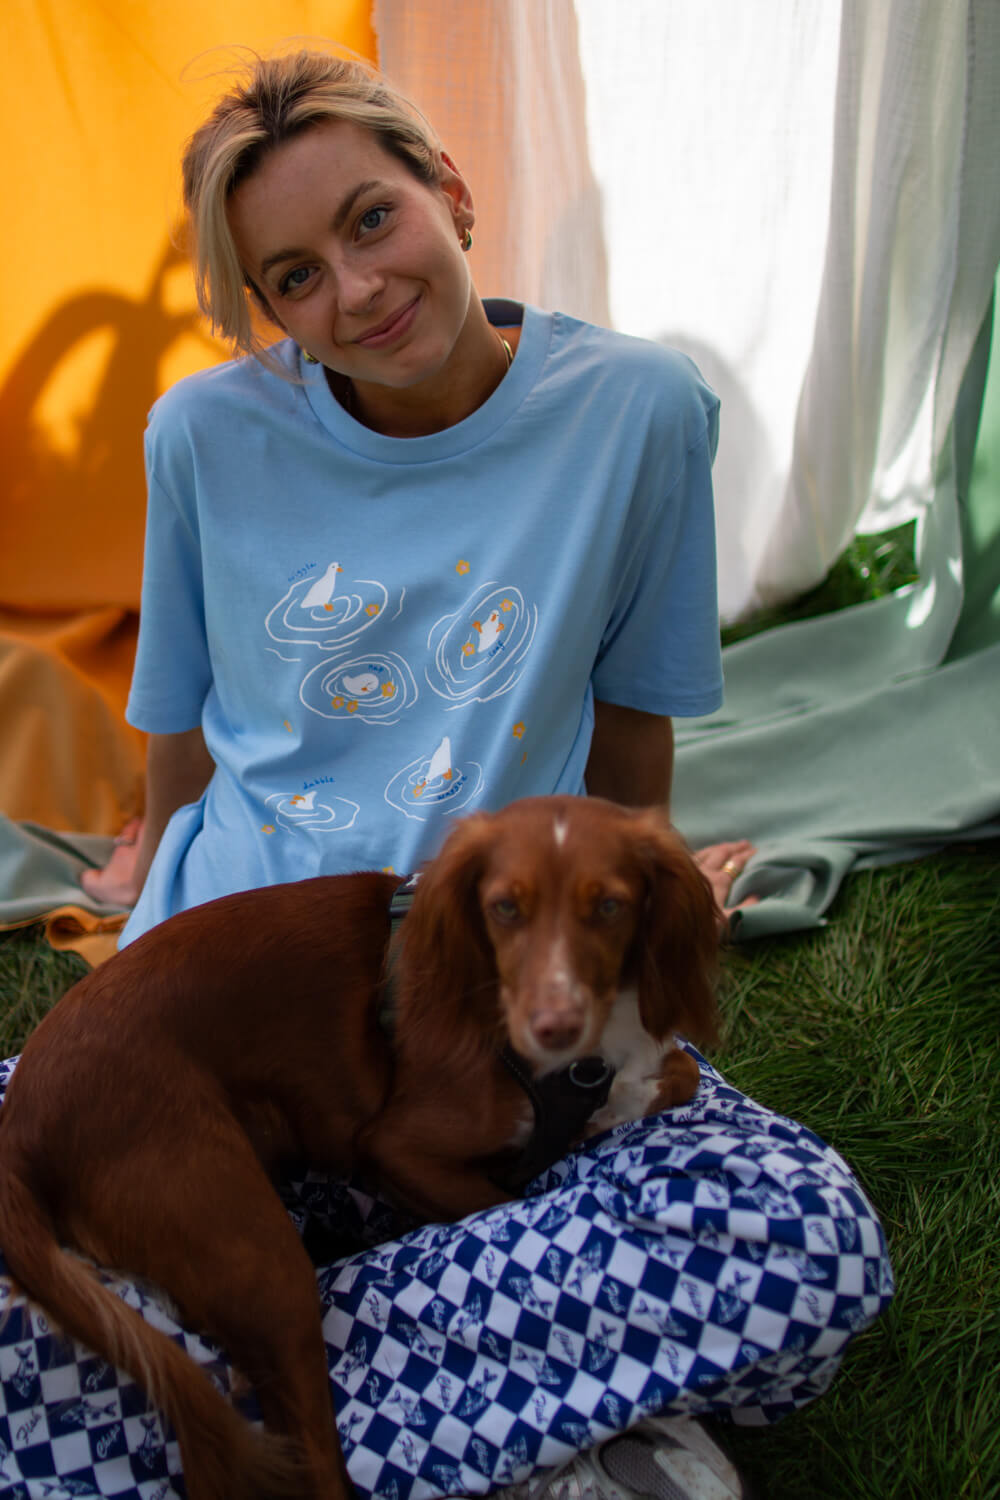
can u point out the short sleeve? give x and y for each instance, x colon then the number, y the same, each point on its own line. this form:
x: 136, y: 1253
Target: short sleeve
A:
x: 172, y: 673
x: 660, y: 651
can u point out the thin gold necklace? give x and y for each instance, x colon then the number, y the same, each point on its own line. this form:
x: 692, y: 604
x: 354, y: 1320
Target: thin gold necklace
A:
x: 347, y: 396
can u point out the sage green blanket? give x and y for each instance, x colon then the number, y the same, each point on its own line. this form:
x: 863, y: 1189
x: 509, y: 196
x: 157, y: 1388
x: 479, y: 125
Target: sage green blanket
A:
x: 871, y: 735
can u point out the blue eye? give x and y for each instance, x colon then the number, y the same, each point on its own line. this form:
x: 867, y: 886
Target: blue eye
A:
x: 371, y: 219
x: 295, y: 280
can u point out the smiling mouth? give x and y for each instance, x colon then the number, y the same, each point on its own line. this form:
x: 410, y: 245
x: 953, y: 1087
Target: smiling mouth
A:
x: 391, y: 329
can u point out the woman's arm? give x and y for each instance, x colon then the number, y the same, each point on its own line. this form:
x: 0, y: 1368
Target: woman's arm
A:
x: 631, y: 756
x: 178, y: 769
x: 632, y: 761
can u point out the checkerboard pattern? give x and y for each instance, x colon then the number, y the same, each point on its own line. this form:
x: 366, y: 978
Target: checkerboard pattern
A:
x: 714, y: 1259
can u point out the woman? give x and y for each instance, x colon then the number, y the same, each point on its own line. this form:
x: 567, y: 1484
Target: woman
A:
x: 424, y: 555
x: 502, y: 580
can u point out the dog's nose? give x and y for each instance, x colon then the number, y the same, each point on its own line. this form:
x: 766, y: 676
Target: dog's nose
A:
x: 556, y: 1029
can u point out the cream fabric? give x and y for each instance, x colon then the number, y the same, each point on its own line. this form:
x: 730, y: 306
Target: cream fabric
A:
x: 500, y: 81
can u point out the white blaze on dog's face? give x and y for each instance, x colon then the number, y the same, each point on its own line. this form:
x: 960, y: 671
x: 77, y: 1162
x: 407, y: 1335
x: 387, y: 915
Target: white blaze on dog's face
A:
x: 561, y: 915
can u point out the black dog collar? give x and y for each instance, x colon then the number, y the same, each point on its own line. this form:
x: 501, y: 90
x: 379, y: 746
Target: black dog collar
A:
x: 562, y: 1102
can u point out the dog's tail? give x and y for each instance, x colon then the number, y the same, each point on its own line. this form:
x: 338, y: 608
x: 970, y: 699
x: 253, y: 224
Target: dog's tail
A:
x: 232, y: 1460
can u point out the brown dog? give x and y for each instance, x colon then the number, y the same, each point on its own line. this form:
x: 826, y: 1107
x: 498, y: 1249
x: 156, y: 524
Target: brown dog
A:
x: 150, y: 1107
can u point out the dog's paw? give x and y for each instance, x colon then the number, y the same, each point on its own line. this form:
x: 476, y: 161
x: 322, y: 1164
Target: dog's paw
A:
x: 679, y: 1077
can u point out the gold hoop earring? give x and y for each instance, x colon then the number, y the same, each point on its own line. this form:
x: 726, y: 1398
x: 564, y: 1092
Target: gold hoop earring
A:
x: 467, y: 240
x: 310, y: 359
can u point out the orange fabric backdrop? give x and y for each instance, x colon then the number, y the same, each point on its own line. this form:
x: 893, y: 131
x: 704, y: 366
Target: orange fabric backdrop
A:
x: 97, y: 317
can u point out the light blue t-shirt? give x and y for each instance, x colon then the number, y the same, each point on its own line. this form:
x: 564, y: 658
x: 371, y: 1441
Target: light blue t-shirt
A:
x: 378, y: 634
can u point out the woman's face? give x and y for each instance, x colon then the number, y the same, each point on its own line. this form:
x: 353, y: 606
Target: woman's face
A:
x: 358, y: 260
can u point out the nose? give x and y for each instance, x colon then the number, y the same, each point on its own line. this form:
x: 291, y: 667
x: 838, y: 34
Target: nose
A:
x: 555, y: 1019
x: 358, y: 283
x: 556, y: 1033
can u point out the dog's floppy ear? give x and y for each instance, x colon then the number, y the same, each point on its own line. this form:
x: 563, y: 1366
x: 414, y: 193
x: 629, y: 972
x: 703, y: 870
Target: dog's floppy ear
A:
x: 446, y: 954
x: 678, y: 937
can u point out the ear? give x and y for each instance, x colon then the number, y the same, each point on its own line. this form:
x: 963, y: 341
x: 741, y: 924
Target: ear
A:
x: 678, y: 939
x: 447, y: 959
x: 456, y: 190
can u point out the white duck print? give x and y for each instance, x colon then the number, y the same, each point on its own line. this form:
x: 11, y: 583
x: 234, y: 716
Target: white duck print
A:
x: 488, y: 630
x: 440, y: 762
x: 323, y: 589
x: 364, y: 683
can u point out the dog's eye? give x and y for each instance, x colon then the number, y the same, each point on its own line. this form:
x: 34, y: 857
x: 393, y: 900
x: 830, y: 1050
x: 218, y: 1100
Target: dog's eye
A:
x: 608, y: 908
x: 505, y: 910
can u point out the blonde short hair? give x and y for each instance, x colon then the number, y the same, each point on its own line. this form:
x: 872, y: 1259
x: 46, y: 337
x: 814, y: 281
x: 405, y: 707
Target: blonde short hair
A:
x: 280, y: 98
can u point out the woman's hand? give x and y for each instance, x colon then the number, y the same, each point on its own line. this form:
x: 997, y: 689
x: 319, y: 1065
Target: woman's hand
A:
x: 178, y: 769
x: 721, y: 864
x: 631, y: 761
x: 118, y: 884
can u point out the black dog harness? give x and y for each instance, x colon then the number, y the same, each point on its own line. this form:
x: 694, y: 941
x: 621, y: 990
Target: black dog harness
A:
x: 562, y: 1102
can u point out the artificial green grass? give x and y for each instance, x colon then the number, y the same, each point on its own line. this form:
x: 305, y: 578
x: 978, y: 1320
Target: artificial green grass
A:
x: 870, y: 568
x: 879, y: 1033
x: 32, y: 978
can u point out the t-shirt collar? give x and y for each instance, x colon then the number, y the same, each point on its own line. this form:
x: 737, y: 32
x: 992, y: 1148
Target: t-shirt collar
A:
x: 536, y: 328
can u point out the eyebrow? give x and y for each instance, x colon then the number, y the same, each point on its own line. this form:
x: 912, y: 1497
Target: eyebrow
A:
x: 338, y: 221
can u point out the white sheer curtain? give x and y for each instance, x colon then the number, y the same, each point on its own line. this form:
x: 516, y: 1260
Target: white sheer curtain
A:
x: 711, y: 130
x: 805, y: 196
x: 912, y: 251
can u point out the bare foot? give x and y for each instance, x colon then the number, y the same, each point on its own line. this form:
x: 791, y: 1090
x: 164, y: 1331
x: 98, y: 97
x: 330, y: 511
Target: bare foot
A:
x: 720, y: 864
x: 116, y: 884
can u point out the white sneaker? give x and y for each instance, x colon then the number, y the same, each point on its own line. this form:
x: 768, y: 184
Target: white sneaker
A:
x: 663, y: 1458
